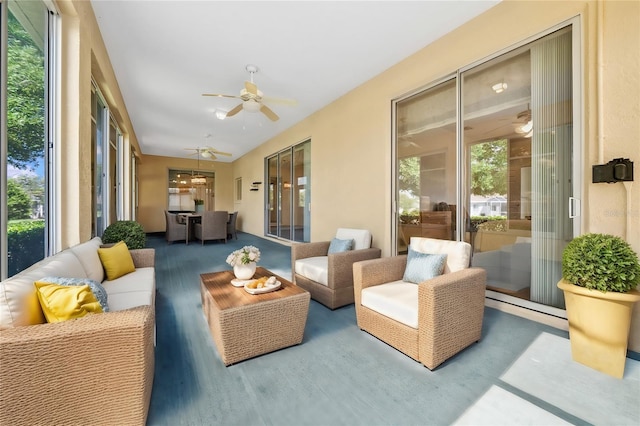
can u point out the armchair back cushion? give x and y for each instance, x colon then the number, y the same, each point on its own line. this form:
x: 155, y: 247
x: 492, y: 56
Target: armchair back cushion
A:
x: 361, y: 237
x: 458, y: 252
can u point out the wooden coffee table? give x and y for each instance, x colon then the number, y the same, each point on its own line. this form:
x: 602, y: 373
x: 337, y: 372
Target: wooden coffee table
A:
x: 244, y: 325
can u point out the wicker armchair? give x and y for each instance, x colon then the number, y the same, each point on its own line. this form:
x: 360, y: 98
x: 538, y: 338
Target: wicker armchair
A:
x: 329, y: 276
x: 445, y: 313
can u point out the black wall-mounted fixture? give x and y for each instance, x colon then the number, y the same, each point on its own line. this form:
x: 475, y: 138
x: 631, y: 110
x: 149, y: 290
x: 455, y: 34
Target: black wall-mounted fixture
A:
x: 254, y: 186
x: 616, y: 170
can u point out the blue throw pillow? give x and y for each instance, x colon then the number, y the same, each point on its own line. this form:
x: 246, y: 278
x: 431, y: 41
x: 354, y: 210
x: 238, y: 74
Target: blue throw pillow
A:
x: 95, y: 286
x: 423, y: 266
x: 337, y: 245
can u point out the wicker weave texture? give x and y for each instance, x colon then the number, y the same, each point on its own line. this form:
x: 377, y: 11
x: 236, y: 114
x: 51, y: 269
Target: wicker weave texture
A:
x: 450, y: 314
x: 247, y: 331
x: 394, y: 333
x: 143, y: 258
x: 95, y: 370
x: 450, y: 311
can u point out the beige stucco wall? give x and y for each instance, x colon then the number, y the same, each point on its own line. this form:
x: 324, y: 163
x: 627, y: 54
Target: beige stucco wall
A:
x: 153, y: 178
x: 83, y: 56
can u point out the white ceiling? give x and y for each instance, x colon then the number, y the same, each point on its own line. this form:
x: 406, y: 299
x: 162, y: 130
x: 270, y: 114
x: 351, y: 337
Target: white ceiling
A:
x: 165, y: 54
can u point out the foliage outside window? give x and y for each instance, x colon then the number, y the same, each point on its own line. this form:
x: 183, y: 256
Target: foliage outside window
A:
x: 25, y: 118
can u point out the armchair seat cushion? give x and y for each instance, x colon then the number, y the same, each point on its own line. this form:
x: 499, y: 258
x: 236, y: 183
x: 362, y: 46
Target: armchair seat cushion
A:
x: 314, y: 268
x: 397, y: 300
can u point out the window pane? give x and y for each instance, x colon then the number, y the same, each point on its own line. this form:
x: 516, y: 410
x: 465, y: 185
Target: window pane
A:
x: 517, y: 113
x: 288, y: 194
x: 426, y: 151
x: 302, y: 191
x: 26, y: 134
x: 284, y: 199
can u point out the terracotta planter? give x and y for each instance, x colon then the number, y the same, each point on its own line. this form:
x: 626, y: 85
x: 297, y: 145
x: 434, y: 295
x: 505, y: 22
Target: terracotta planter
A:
x: 599, y: 326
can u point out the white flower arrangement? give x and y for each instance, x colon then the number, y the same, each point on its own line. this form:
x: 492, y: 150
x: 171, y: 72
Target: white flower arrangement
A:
x: 244, y: 256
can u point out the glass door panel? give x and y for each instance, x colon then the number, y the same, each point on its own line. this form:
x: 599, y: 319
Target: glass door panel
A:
x: 272, y: 196
x: 288, y: 196
x: 113, y: 173
x: 284, y: 196
x: 301, y: 192
x: 26, y: 123
x: 517, y: 112
x: 426, y: 164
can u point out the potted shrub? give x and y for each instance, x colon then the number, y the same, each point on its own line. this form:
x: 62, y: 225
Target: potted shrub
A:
x: 129, y: 231
x: 199, y: 205
x: 600, y: 274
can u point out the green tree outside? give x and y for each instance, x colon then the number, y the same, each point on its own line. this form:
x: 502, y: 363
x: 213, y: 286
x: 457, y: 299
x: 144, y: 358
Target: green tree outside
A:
x: 489, y: 168
x: 409, y: 175
x: 25, y: 97
x: 18, y: 201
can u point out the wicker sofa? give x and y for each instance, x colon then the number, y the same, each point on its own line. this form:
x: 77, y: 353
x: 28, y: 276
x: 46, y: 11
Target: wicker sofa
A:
x: 97, y: 369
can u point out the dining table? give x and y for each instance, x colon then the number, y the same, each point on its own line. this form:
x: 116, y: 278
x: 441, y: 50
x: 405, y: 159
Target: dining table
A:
x: 190, y: 219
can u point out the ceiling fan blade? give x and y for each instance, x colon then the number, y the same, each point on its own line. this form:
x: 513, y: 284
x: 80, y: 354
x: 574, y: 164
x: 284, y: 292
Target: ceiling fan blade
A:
x: 221, y: 96
x: 212, y: 151
x: 283, y: 101
x: 251, y: 88
x: 270, y: 114
x: 234, y: 111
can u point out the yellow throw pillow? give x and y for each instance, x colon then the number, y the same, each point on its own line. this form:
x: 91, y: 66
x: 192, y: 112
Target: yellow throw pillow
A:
x: 116, y: 260
x: 63, y: 302
x: 33, y: 310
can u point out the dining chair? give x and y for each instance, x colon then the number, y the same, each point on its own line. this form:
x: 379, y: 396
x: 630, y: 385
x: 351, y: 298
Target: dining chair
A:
x: 175, y: 231
x: 212, y: 226
x: 231, y: 226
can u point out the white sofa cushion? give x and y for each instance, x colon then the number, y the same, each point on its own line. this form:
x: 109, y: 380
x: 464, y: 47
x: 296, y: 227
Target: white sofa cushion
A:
x: 133, y: 289
x: 87, y: 253
x: 314, y: 268
x: 458, y: 252
x: 361, y: 237
x: 397, y: 300
x: 14, y: 290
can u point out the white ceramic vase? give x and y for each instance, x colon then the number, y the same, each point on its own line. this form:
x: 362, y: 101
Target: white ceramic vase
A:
x: 244, y: 272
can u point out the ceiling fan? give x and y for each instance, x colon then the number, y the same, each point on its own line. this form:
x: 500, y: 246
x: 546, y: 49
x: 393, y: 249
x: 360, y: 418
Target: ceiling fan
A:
x: 207, y: 152
x: 252, y: 98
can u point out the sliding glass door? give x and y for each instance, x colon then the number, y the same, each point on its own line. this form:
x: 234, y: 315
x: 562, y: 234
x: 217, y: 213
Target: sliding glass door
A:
x: 426, y: 151
x: 26, y: 133
x: 491, y: 152
x: 289, y: 193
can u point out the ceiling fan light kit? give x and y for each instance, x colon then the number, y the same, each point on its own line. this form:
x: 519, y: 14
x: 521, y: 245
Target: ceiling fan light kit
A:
x: 252, y: 99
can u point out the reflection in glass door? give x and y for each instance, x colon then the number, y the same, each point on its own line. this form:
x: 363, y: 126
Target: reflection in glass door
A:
x: 498, y: 165
x: 518, y: 147
x: 289, y: 193
x: 426, y: 152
